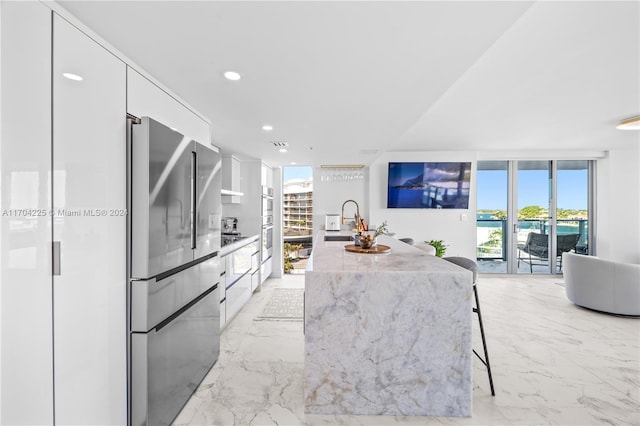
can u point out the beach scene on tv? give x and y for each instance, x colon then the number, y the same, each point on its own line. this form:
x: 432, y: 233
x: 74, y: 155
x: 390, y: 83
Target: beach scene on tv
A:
x: 429, y: 185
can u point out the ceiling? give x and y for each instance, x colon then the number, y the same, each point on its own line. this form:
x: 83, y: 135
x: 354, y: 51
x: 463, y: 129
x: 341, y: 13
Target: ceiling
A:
x: 343, y: 82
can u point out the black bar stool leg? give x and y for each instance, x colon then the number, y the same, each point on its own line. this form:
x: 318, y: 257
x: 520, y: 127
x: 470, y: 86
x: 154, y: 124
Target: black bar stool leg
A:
x: 485, y: 361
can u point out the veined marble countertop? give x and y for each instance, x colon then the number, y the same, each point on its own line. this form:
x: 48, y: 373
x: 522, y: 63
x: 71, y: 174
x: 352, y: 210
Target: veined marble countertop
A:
x: 330, y: 256
x: 386, y: 333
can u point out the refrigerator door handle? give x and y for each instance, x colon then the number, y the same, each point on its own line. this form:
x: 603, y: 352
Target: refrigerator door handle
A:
x: 194, y: 196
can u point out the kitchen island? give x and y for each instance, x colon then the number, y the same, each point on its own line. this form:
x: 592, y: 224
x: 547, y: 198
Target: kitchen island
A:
x: 386, y: 334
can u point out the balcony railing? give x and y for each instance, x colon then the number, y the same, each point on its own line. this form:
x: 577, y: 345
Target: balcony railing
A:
x: 492, y: 234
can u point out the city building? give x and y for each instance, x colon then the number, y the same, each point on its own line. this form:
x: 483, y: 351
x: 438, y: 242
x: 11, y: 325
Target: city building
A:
x: 297, y: 211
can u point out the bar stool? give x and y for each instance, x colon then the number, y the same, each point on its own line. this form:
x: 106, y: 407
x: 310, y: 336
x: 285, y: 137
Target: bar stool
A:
x: 472, y: 266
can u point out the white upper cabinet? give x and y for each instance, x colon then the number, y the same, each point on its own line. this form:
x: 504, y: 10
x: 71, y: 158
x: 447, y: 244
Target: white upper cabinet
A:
x: 266, y: 176
x: 145, y: 99
x: 231, y: 184
x: 25, y: 223
x: 89, y: 197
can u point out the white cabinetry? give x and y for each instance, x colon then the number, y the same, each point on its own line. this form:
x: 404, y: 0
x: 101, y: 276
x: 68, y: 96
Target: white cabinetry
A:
x: 231, y: 180
x: 145, y: 99
x: 266, y: 176
x: 242, y: 272
x: 63, y: 175
x: 89, y: 198
x: 222, y: 287
x: 25, y: 243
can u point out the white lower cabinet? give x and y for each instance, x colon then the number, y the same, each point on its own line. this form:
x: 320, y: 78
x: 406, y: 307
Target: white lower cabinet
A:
x: 255, y: 280
x: 223, y: 293
x: 241, y: 276
x: 266, y: 268
x: 238, y: 294
x: 255, y: 271
x: 89, y: 202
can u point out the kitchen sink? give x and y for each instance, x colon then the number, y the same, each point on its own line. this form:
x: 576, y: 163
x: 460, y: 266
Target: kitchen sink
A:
x: 338, y: 238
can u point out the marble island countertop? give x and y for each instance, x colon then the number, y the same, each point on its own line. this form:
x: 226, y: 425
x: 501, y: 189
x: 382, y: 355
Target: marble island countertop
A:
x: 330, y: 256
x: 386, y: 333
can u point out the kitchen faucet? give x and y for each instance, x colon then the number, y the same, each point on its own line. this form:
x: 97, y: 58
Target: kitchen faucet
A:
x: 358, y: 225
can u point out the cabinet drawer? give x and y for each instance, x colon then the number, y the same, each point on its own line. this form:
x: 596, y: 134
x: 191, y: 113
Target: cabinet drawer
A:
x: 255, y: 280
x: 237, y: 295
x: 255, y: 261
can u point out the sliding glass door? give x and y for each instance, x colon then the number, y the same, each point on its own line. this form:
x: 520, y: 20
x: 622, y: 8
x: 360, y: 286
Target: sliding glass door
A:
x: 531, y: 211
x: 493, y: 183
x: 572, y: 206
x: 534, y: 217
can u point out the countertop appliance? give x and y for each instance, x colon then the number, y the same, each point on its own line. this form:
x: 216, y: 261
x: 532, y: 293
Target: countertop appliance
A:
x: 174, y: 239
x: 230, y: 225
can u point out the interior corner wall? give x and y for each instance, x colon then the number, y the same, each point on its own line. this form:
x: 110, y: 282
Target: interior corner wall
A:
x: 456, y: 227
x: 618, y: 204
x: 328, y: 198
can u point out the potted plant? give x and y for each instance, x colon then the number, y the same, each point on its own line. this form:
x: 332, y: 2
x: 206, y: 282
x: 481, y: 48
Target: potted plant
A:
x: 368, y: 240
x: 439, y: 245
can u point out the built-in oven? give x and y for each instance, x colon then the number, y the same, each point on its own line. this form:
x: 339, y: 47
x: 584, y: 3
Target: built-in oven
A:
x: 267, y: 242
x: 267, y: 205
x: 266, y: 246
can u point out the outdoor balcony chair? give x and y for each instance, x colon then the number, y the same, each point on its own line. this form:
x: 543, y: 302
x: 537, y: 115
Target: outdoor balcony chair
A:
x: 537, y: 248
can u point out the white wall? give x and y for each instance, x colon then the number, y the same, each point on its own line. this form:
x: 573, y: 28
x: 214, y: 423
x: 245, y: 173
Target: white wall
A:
x: 328, y: 198
x: 618, y: 205
x: 425, y: 224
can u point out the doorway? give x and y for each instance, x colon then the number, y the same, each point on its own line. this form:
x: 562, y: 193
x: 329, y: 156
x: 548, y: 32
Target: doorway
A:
x: 297, y: 217
x: 530, y: 212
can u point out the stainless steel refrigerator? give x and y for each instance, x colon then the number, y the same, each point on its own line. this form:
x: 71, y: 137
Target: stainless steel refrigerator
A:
x: 175, y: 230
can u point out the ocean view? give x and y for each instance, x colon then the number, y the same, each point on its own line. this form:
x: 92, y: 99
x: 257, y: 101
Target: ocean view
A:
x: 490, y: 239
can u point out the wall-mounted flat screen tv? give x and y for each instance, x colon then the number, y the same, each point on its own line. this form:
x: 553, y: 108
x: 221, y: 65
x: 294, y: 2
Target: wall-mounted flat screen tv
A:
x: 429, y: 185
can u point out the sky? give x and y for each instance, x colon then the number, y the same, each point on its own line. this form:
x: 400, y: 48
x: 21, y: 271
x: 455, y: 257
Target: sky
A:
x: 296, y: 172
x: 532, y: 189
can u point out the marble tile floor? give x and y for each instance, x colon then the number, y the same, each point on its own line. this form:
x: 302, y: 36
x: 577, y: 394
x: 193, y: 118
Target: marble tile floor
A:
x: 553, y: 364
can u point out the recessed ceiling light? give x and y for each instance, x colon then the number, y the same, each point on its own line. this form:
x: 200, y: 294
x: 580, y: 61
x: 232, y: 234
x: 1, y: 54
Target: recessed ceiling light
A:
x: 267, y: 127
x: 70, y: 76
x: 632, y: 123
x: 232, y: 75
x: 283, y: 150
x: 293, y: 163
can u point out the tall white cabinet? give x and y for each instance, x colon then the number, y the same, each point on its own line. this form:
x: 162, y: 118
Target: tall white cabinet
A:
x: 89, y: 222
x: 26, y: 362
x: 63, y: 256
